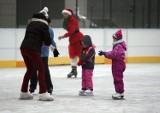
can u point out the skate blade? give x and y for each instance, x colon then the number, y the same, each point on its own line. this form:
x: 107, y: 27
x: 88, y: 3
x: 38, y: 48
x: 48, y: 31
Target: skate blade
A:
x: 88, y: 95
x: 118, y: 98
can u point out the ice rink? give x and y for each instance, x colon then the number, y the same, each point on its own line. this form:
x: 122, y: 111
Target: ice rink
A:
x: 142, y: 91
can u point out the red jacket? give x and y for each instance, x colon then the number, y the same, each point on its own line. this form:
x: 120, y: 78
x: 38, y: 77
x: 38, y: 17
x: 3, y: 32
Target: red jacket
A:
x: 72, y: 28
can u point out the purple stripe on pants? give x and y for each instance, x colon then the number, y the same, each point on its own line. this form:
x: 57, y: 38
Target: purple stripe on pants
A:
x: 87, y: 79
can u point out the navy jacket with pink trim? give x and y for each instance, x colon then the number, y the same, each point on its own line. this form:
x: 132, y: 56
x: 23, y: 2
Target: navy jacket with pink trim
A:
x: 88, y: 54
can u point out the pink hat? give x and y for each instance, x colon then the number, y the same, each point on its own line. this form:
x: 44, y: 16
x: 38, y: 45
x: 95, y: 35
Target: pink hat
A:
x: 118, y: 35
x: 67, y: 11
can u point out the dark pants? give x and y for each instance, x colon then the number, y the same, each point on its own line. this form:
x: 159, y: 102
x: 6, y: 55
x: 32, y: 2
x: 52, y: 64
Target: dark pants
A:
x: 48, y: 81
x: 33, y: 61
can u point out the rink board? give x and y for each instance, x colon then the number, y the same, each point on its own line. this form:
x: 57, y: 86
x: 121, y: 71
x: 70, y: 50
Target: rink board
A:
x: 98, y: 60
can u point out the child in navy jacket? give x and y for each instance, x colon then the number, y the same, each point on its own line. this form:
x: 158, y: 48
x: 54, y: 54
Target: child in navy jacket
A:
x: 87, y: 59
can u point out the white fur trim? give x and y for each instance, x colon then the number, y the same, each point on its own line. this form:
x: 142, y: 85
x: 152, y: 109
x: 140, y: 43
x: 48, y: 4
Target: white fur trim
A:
x: 67, y: 12
x: 74, y: 61
x: 40, y: 20
x: 117, y: 42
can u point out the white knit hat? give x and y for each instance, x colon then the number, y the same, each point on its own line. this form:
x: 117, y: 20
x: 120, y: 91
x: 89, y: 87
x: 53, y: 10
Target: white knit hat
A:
x: 45, y: 12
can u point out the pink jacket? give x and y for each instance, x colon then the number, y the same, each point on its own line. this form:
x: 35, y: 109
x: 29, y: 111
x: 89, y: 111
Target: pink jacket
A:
x: 118, y: 51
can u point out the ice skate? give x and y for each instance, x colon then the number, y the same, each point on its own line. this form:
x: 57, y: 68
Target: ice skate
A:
x: 45, y: 97
x: 81, y: 93
x: 118, y: 96
x: 26, y: 96
x: 50, y: 90
x: 31, y: 90
x: 73, y: 72
x: 88, y: 93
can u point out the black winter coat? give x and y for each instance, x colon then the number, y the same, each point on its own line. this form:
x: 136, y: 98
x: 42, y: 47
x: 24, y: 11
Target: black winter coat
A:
x: 37, y: 34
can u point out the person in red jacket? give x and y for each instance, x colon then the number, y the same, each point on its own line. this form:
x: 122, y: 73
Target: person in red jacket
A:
x: 71, y: 25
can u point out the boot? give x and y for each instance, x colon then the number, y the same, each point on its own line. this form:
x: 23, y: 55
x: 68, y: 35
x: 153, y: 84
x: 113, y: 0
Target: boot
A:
x: 81, y: 93
x: 88, y: 92
x: 26, y: 96
x: 73, y: 72
x: 118, y: 96
x: 45, y: 97
x: 50, y: 90
x: 31, y: 90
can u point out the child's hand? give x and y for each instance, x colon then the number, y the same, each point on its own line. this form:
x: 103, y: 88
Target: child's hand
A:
x: 101, y: 53
x: 80, y: 63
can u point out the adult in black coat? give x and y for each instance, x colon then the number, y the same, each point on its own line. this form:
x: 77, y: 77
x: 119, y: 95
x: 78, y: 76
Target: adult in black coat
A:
x: 36, y: 35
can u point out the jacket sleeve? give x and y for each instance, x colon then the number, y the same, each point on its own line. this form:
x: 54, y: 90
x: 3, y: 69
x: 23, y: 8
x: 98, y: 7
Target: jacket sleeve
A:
x: 114, y: 53
x: 71, y: 27
x: 52, y: 37
x: 87, y: 57
x: 46, y: 35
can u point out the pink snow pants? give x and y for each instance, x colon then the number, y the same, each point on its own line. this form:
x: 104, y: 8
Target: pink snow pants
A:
x: 118, y: 67
x: 87, y: 82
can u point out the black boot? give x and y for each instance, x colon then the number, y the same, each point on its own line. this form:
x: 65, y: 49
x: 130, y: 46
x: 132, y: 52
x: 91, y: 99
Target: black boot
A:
x: 73, y: 72
x: 50, y: 90
x: 31, y: 90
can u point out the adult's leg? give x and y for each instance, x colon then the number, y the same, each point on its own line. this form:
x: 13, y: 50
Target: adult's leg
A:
x: 47, y: 74
x: 73, y: 59
x: 30, y: 67
x: 33, y: 81
x: 41, y: 72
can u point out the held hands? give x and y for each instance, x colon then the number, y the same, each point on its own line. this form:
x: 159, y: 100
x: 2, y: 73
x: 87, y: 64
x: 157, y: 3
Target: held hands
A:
x: 100, y: 53
x: 80, y: 63
x: 60, y: 37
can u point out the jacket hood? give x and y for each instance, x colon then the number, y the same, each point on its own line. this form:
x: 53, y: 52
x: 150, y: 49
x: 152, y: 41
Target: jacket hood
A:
x: 124, y: 45
x: 87, y: 40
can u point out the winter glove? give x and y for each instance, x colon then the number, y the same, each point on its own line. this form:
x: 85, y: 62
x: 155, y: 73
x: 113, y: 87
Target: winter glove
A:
x: 80, y: 63
x: 60, y: 37
x: 101, y: 53
x: 55, y: 53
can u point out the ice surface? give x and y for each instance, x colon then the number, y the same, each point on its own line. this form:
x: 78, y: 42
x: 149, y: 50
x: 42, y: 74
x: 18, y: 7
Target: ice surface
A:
x: 142, y: 91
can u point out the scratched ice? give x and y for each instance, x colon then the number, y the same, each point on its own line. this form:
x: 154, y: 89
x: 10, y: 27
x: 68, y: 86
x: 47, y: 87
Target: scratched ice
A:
x: 142, y: 91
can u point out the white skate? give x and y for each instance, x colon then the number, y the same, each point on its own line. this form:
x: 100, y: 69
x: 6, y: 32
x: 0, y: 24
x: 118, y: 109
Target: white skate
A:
x: 118, y: 96
x: 88, y: 93
x: 81, y: 93
x: 45, y: 97
x: 26, y: 96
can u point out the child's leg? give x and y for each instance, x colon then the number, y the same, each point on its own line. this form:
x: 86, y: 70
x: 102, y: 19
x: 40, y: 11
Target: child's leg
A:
x: 83, y: 80
x: 88, y: 78
x: 117, y: 71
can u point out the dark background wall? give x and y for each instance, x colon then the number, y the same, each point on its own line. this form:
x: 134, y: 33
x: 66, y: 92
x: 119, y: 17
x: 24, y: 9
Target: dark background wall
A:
x: 26, y: 8
x: 99, y: 13
x: 124, y: 13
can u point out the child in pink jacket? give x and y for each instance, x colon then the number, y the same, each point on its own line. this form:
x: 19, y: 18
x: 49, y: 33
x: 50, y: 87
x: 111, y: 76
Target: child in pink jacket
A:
x: 118, y: 65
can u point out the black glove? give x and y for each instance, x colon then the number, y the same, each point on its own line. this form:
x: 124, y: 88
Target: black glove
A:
x: 100, y: 53
x: 55, y: 53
